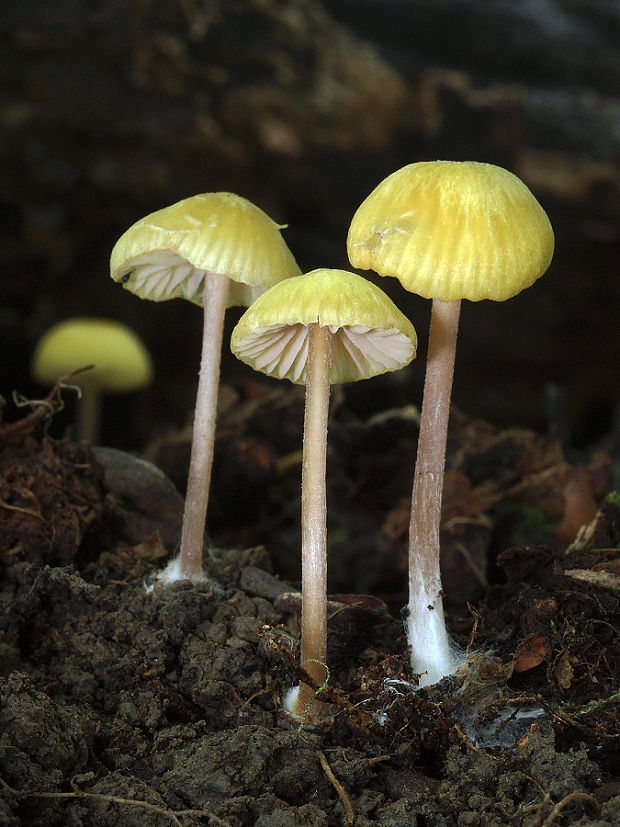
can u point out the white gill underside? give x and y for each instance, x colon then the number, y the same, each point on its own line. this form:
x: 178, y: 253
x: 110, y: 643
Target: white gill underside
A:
x: 357, y: 351
x: 163, y: 275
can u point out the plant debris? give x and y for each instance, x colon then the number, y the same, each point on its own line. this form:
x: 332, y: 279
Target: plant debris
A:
x: 118, y: 705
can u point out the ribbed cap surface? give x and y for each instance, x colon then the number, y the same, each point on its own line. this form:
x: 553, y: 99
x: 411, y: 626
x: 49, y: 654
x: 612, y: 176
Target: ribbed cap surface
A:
x: 371, y: 335
x: 166, y: 254
x: 453, y: 230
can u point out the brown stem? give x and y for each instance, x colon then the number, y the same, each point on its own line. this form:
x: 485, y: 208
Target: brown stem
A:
x: 189, y: 562
x: 430, y: 649
x: 314, y: 514
x: 89, y: 412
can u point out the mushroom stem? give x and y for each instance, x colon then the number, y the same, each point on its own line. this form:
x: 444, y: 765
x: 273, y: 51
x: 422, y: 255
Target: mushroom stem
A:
x: 188, y: 565
x: 431, y: 654
x: 88, y: 412
x: 314, y: 515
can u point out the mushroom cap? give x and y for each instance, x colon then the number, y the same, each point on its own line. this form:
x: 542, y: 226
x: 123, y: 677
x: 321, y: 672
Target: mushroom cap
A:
x: 121, y: 361
x: 371, y: 335
x: 167, y: 254
x: 453, y: 230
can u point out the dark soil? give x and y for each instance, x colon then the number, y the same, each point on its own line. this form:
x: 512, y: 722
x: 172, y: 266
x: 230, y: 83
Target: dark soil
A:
x: 120, y: 706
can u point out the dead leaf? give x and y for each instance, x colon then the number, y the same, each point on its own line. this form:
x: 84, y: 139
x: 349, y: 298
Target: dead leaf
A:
x: 136, y: 561
x: 579, y: 505
x: 532, y: 653
x: 599, y: 579
x: 463, y: 500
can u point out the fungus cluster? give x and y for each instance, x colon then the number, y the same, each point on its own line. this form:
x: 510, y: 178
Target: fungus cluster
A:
x: 447, y: 231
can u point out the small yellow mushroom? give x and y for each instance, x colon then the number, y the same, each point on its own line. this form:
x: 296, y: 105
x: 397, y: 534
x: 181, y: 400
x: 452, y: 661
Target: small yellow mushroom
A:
x: 322, y: 328
x: 119, y: 359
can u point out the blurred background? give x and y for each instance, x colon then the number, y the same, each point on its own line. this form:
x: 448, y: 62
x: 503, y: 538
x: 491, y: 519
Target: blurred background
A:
x: 112, y: 109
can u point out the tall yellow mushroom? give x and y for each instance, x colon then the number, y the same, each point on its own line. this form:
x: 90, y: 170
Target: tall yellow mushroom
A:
x: 447, y: 230
x: 217, y: 250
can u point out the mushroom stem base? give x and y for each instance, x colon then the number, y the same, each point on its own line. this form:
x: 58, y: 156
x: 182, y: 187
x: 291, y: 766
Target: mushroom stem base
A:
x: 433, y: 655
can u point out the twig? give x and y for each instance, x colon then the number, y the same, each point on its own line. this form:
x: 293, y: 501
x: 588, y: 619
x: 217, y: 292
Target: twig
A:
x: 116, y: 799
x: 537, y: 805
x: 576, y: 796
x: 41, y: 408
x: 342, y: 795
x: 249, y: 700
x: 378, y: 759
x: 474, y: 630
x: 556, y: 809
x: 28, y: 511
x: 468, y: 742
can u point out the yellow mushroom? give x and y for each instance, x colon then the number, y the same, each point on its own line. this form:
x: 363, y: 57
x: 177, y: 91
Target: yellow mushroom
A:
x: 447, y: 230
x: 325, y: 327
x: 120, y: 363
x: 216, y: 250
